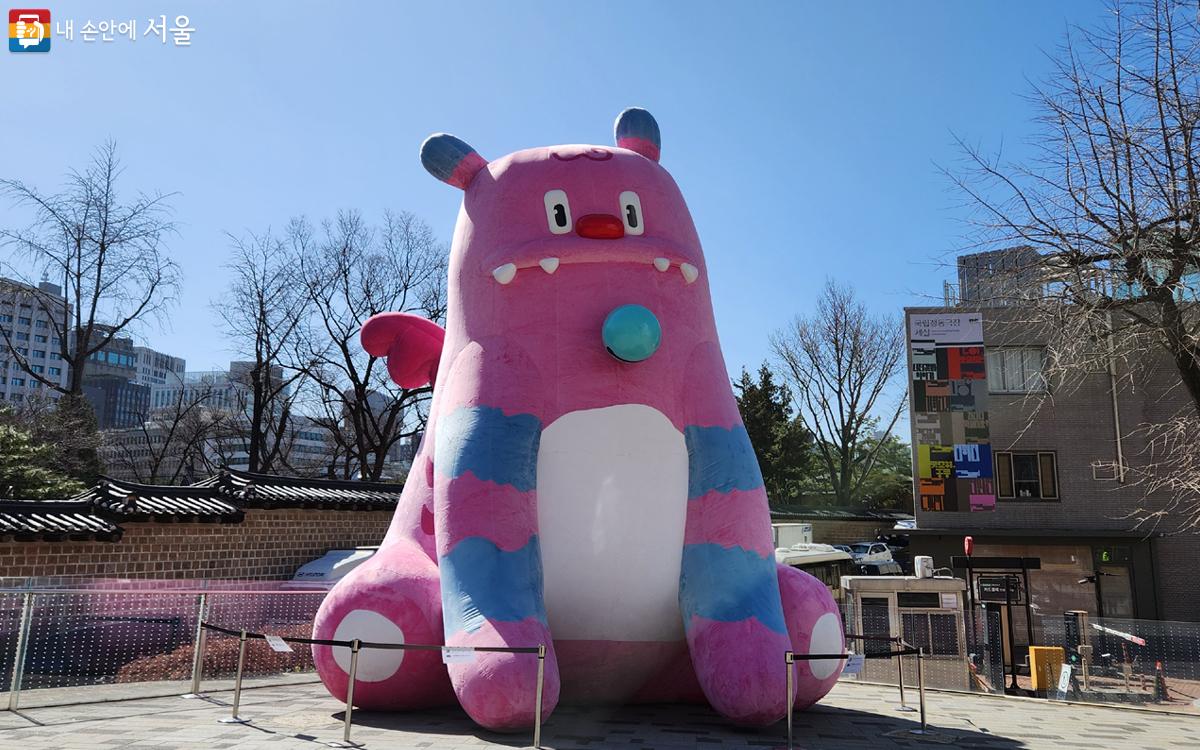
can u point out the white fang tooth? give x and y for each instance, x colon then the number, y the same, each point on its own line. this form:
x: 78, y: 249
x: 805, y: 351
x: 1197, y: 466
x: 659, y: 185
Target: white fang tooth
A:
x: 549, y: 265
x: 662, y: 264
x: 690, y: 272
x: 505, y: 273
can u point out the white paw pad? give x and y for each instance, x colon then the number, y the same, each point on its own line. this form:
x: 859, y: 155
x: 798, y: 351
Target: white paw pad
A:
x: 826, y: 638
x: 374, y: 665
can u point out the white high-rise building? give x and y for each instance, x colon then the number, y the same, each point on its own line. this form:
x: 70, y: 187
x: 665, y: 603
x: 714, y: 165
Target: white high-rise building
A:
x: 31, y: 325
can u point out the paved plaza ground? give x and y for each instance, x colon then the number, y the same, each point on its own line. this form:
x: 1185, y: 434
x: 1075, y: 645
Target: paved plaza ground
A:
x: 853, y: 716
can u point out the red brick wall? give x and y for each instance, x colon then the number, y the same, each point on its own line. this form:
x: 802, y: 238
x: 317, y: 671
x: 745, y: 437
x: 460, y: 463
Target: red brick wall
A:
x: 268, y: 544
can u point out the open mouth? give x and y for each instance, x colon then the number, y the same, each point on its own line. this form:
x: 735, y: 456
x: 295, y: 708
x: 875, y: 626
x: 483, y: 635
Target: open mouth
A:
x: 507, y: 272
x: 547, y: 257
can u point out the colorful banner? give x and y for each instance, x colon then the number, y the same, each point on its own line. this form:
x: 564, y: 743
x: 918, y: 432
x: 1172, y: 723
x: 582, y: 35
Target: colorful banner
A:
x: 950, y: 412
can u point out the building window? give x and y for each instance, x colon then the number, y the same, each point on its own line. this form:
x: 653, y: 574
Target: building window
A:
x: 1016, y: 369
x: 39, y: 339
x: 39, y: 354
x: 21, y: 336
x: 56, y: 371
x: 42, y: 324
x: 24, y: 321
x: 1026, y: 476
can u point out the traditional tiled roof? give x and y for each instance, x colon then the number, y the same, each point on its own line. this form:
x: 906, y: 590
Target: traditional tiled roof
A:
x: 95, y: 514
x: 55, y: 520
x: 838, y: 514
x: 251, y: 490
x: 127, y: 501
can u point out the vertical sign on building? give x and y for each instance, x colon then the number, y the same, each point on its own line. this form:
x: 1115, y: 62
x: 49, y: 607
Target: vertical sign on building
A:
x: 950, y: 412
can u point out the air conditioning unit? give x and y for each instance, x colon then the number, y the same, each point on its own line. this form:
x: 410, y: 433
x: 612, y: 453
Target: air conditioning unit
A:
x: 1106, y: 471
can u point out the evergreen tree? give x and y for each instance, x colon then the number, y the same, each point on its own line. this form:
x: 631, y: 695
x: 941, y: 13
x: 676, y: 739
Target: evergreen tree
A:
x: 28, y: 468
x: 781, y: 442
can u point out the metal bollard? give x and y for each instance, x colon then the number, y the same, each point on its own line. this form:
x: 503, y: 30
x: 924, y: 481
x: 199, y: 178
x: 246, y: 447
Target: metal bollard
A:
x: 900, y: 679
x: 237, y: 684
x: 198, y: 648
x: 18, y: 670
x: 789, y: 659
x: 537, y: 706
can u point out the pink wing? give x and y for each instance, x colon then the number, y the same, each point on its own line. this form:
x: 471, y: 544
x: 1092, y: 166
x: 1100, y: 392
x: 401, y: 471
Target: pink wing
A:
x: 412, y: 345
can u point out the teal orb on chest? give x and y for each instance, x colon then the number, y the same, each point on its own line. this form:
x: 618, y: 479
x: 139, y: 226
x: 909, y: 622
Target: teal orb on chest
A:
x: 631, y: 333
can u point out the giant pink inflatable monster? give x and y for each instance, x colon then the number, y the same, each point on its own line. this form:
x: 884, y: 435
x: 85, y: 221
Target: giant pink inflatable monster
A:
x: 585, y: 481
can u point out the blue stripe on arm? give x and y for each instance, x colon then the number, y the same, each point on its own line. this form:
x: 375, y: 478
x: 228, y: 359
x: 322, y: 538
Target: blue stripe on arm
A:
x: 490, y: 445
x: 720, y: 459
x: 482, y: 582
x: 729, y: 584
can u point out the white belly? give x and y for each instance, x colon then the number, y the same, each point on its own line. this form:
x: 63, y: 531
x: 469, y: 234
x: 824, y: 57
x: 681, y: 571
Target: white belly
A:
x: 612, y: 489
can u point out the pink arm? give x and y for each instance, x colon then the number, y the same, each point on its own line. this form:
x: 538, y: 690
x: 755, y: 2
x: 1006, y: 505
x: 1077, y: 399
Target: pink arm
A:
x: 412, y: 345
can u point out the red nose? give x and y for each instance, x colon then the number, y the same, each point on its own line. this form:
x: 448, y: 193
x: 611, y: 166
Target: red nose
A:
x: 600, y: 227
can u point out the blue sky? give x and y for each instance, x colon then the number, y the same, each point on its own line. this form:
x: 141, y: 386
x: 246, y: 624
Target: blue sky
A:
x: 805, y: 136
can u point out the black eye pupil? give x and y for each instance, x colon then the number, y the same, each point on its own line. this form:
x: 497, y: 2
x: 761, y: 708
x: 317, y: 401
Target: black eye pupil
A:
x: 631, y: 216
x: 560, y: 214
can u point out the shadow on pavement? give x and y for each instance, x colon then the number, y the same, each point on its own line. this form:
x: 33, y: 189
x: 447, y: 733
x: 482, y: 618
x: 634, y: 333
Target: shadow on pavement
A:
x: 657, y: 726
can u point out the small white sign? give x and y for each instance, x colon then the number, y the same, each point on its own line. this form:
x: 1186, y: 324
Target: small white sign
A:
x: 1064, y: 681
x: 457, y: 654
x: 278, y: 644
x: 949, y: 601
x: 854, y: 664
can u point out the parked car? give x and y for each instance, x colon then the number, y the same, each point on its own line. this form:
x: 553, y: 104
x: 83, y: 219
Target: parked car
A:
x: 331, y: 568
x: 881, y: 569
x: 870, y: 552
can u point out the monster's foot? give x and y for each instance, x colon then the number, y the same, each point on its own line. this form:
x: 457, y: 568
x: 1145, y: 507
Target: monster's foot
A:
x: 391, y: 598
x: 740, y: 667
x: 815, y: 627
x: 497, y: 689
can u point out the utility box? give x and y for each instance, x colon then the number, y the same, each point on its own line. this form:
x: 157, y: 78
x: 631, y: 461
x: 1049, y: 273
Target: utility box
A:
x: 1045, y: 666
x: 926, y: 612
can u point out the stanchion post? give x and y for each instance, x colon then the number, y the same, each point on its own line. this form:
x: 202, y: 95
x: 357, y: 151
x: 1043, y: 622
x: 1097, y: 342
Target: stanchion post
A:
x: 237, y: 684
x: 18, y: 670
x: 900, y: 677
x: 789, y: 660
x: 537, y: 698
x: 921, y: 685
x: 355, y: 646
x: 198, y: 646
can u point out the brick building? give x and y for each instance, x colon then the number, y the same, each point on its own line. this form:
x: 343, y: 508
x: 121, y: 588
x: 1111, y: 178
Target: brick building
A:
x: 1056, y: 464
x: 236, y: 525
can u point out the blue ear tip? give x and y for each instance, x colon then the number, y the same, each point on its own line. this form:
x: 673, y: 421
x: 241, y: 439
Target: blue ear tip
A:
x: 636, y: 122
x: 446, y: 157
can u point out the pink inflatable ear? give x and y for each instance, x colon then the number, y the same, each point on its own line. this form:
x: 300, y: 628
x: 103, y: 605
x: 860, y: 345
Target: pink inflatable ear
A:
x: 637, y: 130
x: 451, y: 160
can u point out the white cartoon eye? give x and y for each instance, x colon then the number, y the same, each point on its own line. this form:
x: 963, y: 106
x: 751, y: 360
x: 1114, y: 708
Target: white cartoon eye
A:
x: 631, y: 213
x: 558, y: 211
